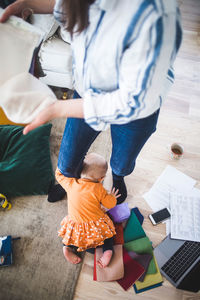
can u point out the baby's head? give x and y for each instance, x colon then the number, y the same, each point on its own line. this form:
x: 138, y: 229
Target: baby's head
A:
x: 94, y: 167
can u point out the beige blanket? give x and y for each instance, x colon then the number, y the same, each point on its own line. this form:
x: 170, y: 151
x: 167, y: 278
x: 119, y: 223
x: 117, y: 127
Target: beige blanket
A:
x: 23, y: 96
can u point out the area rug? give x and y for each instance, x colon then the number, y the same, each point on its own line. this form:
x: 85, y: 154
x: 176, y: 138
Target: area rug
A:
x: 39, y: 270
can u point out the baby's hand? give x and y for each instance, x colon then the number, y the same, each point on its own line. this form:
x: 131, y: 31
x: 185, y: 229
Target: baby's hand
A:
x: 115, y: 193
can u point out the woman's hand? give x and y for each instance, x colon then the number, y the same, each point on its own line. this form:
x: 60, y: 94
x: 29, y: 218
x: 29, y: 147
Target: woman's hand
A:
x: 59, y: 109
x: 24, y: 8
x: 15, y: 9
x: 43, y: 117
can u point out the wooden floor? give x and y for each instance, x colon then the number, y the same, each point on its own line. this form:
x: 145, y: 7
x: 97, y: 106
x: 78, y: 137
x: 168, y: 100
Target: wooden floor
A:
x: 179, y: 122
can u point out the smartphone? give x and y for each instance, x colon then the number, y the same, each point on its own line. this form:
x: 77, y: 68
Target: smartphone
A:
x: 160, y: 216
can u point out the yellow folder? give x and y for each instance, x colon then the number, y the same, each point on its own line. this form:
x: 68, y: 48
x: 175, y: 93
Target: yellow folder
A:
x: 150, y: 279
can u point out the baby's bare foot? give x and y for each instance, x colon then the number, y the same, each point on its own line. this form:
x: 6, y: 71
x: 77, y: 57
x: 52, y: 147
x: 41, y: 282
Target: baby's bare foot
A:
x: 71, y: 256
x: 105, y: 259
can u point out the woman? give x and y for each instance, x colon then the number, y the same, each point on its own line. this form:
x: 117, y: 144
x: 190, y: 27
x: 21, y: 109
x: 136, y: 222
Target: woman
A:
x: 123, y: 55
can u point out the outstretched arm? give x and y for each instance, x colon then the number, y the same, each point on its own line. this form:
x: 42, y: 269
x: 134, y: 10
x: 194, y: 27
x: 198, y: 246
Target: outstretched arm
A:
x: 22, y: 7
x: 59, y: 109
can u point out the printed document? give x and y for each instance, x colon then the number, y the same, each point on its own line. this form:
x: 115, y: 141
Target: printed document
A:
x: 171, y: 180
x: 185, y: 216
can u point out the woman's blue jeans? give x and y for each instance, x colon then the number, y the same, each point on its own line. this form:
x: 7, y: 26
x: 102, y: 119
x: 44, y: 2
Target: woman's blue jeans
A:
x: 127, y: 142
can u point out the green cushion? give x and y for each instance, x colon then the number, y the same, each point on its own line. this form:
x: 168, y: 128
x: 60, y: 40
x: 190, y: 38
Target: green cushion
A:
x: 133, y: 229
x: 25, y: 162
x: 142, y: 246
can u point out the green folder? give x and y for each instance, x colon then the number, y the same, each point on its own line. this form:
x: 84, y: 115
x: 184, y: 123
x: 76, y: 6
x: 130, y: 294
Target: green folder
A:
x: 142, y: 246
x: 133, y: 229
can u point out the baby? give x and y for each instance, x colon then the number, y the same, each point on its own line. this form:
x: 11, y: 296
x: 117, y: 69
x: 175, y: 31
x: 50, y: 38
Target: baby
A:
x: 87, y: 225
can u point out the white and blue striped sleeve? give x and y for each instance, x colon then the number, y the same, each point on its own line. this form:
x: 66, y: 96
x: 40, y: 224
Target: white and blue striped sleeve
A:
x: 143, y: 69
x: 58, y: 13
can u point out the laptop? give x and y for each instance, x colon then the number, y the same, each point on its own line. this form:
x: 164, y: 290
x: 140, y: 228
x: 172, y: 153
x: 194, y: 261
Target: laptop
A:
x: 179, y: 262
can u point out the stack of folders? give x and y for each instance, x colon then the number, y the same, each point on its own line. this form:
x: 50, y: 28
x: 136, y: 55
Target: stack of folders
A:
x: 133, y: 262
x: 137, y: 242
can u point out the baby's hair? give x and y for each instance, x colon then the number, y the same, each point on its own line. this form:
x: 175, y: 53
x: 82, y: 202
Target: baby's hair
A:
x: 94, y: 166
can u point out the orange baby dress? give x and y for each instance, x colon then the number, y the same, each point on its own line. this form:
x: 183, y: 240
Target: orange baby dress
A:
x: 87, y: 225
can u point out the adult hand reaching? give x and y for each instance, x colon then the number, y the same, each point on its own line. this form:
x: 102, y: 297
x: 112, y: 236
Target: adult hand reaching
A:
x: 43, y: 117
x: 59, y: 109
x: 24, y: 8
x: 17, y: 8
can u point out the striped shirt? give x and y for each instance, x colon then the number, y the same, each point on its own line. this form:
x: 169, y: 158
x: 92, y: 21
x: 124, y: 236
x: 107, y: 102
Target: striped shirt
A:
x: 123, y: 61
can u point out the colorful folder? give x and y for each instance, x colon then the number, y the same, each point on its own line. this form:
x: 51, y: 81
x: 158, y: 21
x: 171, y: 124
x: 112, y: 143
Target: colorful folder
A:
x: 133, y: 229
x: 132, y: 271
x: 143, y: 260
x: 147, y: 288
x: 150, y: 279
x: 119, y: 237
x: 142, y: 246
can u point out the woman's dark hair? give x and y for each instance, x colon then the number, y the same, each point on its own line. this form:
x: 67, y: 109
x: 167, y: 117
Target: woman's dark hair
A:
x: 76, y: 12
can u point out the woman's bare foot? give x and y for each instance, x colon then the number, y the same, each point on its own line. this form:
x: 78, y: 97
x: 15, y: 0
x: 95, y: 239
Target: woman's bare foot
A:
x: 105, y: 259
x: 71, y: 256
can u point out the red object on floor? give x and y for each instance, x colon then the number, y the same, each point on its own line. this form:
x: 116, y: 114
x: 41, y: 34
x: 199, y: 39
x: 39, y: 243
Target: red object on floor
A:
x: 132, y: 271
x: 95, y: 268
x: 119, y: 237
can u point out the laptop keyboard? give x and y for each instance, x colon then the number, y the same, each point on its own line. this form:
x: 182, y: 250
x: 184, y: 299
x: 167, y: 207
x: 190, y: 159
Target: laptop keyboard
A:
x: 182, y: 259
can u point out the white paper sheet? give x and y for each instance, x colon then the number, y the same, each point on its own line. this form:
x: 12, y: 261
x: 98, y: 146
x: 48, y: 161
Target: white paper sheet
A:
x: 171, y: 180
x: 194, y: 193
x: 185, y: 216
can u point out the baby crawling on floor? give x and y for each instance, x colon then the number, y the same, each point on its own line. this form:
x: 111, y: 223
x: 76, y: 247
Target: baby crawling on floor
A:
x: 87, y: 226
